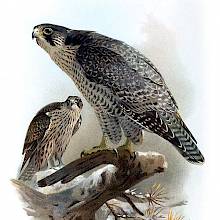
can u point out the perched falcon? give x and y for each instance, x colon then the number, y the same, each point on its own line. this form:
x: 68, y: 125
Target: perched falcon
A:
x: 125, y: 89
x: 49, y: 134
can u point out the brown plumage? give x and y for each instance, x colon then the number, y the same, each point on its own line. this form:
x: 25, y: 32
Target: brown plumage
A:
x: 49, y: 134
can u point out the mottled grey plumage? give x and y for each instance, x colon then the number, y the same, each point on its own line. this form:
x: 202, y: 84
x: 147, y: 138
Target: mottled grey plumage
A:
x: 49, y: 134
x: 110, y: 126
x: 124, y: 87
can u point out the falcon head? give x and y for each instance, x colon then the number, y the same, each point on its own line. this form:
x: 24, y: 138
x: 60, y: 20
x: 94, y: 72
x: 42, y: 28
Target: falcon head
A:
x: 74, y: 102
x: 50, y: 35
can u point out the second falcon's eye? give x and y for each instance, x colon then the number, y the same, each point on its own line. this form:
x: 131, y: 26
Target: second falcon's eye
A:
x: 68, y: 102
x: 48, y: 31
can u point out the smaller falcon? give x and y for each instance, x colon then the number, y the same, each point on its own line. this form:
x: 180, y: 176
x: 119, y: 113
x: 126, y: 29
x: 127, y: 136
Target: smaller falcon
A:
x: 49, y: 134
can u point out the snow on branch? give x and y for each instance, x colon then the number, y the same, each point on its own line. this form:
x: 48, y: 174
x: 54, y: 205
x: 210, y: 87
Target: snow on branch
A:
x: 67, y: 194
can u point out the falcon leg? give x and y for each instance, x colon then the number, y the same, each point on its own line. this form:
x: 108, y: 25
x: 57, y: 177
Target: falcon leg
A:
x: 50, y: 163
x: 102, y: 146
x: 60, y: 163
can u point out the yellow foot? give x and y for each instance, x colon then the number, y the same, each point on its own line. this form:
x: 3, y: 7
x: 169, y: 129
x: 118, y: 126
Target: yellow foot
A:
x: 101, y: 147
x: 128, y: 146
x: 94, y: 150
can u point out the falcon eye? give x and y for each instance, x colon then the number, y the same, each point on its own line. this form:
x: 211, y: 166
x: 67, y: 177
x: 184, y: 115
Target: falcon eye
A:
x: 47, y: 31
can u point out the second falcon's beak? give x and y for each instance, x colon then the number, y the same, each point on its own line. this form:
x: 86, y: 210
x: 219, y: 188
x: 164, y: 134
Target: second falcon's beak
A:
x: 33, y: 35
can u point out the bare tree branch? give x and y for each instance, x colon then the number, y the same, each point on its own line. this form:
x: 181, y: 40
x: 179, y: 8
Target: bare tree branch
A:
x: 127, y: 198
x: 82, y: 197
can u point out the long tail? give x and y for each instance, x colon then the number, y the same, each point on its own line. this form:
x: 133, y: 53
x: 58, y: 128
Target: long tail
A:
x: 184, y: 140
x: 28, y: 172
x: 172, y: 128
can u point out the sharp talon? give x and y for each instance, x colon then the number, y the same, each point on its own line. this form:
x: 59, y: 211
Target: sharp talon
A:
x: 82, y: 154
x: 135, y: 155
x: 131, y: 155
x: 116, y: 152
x: 55, y: 168
x: 95, y: 149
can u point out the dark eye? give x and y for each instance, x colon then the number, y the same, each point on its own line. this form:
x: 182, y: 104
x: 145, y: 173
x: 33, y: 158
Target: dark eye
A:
x: 48, y: 31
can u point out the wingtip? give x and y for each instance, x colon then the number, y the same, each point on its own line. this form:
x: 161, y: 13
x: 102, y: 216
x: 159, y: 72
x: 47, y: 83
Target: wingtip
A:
x: 202, y: 161
x: 199, y: 161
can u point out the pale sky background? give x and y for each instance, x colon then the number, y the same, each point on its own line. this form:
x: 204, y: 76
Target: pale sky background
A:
x: 180, y: 37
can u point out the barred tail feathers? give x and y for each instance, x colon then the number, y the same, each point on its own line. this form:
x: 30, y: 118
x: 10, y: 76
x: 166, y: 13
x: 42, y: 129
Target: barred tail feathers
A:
x: 186, y: 145
x: 172, y: 128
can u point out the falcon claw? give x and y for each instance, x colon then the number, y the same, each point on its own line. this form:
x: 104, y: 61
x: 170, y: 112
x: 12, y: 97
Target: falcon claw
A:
x: 82, y: 154
x: 133, y: 155
x: 54, y: 168
x: 90, y: 151
x: 128, y: 148
x: 116, y: 152
x: 97, y: 149
x: 102, y: 146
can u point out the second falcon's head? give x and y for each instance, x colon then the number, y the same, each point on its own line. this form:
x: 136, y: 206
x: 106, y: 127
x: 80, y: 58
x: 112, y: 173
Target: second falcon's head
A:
x: 74, y: 102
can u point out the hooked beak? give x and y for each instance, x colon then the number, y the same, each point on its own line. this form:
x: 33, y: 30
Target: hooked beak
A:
x: 33, y: 35
x: 36, y: 33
